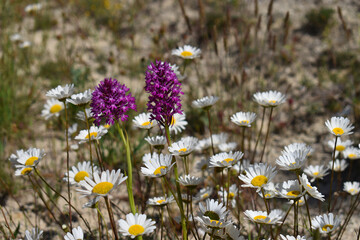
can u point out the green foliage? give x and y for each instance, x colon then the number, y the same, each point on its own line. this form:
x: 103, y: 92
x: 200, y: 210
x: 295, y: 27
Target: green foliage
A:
x: 317, y: 20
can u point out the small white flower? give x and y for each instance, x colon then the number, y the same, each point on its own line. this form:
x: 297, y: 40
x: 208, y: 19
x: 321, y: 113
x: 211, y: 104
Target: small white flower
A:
x: 157, y: 165
x: 241, y: 165
x: 340, y: 145
x: 292, y: 161
x: 203, y: 144
x: 186, y: 52
x: 288, y: 237
x: 243, y: 119
x: 61, y: 92
x: 178, y: 123
x: 35, y: 234
x: 16, y: 38
x: 233, y: 192
x: 77, y: 234
x: 29, y: 158
x: 352, y: 153
x: 95, y: 134
x: 316, y: 172
x: 136, y: 225
x: 291, y: 189
x: 294, y: 147
x: 205, y: 102
x: 204, y: 193
x: 339, y: 165
x: 175, y: 68
x: 81, y: 115
x: 160, y: 201
x: 225, y: 160
x: 311, y: 190
x: 219, y: 138
x: 77, y: 174
x: 352, y: 188
x: 81, y: 99
x: 183, y: 147
x: 339, y: 126
x: 270, y: 191
x: 157, y: 142
x: 233, y: 233
x: 300, y: 202
x: 227, y: 147
x: 269, y: 99
x: 189, y: 181
x: 326, y: 223
x: 24, y: 44
x: 213, y: 214
x: 31, y: 8
x: 257, y: 175
x: 103, y: 184
x: 52, y: 107
x: 274, y: 217
x: 143, y: 121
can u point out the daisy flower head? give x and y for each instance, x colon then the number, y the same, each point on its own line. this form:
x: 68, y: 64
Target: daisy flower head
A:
x: 352, y: 153
x: 203, y: 144
x: 35, y: 234
x: 227, y: 147
x: 292, y: 161
x: 136, y: 225
x: 240, y: 166
x: 183, y: 147
x: 52, y: 107
x: 81, y: 115
x: 352, y: 188
x: 157, y: 165
x: 316, y: 171
x: 178, y: 123
x: 269, y: 98
x: 190, y: 182
x: 17, y: 38
x: 257, y: 175
x: 291, y: 189
x: 111, y: 101
x: 233, y: 233
x: 96, y: 133
x: 243, y: 119
x: 339, y: 165
x: 274, y: 217
x: 339, y: 126
x: 14, y: 157
x: 75, y: 234
x: 102, y: 185
x: 223, y: 195
x: 61, y: 92
x: 158, y: 142
x: 204, y: 193
x: 186, y: 52
x: 326, y: 223
x: 311, y: 190
x: 205, y: 102
x: 30, y: 158
x: 81, y: 99
x: 23, y: 171
x: 143, y: 121
x: 175, y: 68
x: 340, y: 145
x: 160, y: 201
x: 288, y: 237
x: 24, y: 44
x: 300, y: 202
x: 219, y: 138
x: 213, y: 214
x: 270, y: 191
x: 79, y: 172
x: 32, y: 8
x: 165, y: 90
x: 298, y: 147
x: 225, y: 160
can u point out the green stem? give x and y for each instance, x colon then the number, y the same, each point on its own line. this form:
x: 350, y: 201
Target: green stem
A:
x: 67, y: 160
x: 267, y: 134
x: 332, y: 173
x: 111, y: 216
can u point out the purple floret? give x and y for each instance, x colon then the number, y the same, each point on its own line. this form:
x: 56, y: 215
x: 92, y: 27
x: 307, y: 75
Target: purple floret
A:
x: 110, y: 103
x: 164, y: 89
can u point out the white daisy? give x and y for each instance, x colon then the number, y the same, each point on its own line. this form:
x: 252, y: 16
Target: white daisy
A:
x: 136, y: 225
x: 243, y: 119
x: 103, y: 184
x: 352, y: 188
x: 269, y: 99
x: 31, y: 8
x: 316, y: 171
x: 326, y: 223
x: 190, y: 182
x: 17, y: 38
x: 186, y: 52
x: 178, y: 123
x: 311, y: 190
x: 175, y: 68
x: 157, y: 165
x: 227, y: 147
x: 95, y: 134
x: 340, y: 145
x: 157, y: 142
x: 270, y: 191
x: 24, y: 44
x: 81, y: 99
x: 288, y: 237
x: 213, y: 214
x: 24, y: 171
x: 77, y: 234
x: 352, y: 153
x: 291, y: 189
x: 52, y: 107
x: 14, y: 157
x: 292, y: 161
x: 143, y: 121
x: 205, y: 102
x: 257, y: 175
x: 35, y: 234
x: 30, y: 158
x: 61, y: 92
x: 77, y: 174
x: 241, y: 166
x: 261, y: 217
x: 225, y: 160
x: 72, y: 130
x: 219, y: 138
x: 204, y: 193
x: 294, y: 147
x: 183, y: 147
x: 223, y: 195
x: 339, y: 126
x: 203, y: 144
x: 339, y: 165
x: 232, y: 233
x: 300, y: 202
x: 160, y: 201
x: 81, y: 115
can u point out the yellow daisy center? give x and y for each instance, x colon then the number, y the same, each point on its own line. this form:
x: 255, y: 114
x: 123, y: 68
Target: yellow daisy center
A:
x: 173, y: 121
x: 351, y: 190
x: 205, y: 195
x: 186, y: 54
x: 267, y: 195
x: 300, y: 201
x: 92, y: 134
x: 102, y: 188
x: 293, y: 193
x: 136, y: 229
x: 55, y: 108
x: 258, y: 181
x: 107, y: 126
x: 352, y: 155
x: 160, y: 201
x: 260, y: 217
x: 182, y: 150
x: 81, y: 176
x: 231, y: 195
x: 315, y: 173
x: 325, y: 227
x: 216, y: 221
x: 158, y: 170
x: 272, y: 101
x: 26, y: 171
x: 146, y: 123
x: 338, y: 131
x: 31, y: 161
x: 244, y: 121
x: 228, y: 160
x: 340, y: 148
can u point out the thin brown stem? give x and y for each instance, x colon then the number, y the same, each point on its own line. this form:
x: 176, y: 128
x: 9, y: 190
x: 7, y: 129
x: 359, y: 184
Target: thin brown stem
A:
x: 332, y: 174
x: 258, y: 136
x: 111, y: 216
x: 267, y: 134
x: 68, y: 161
